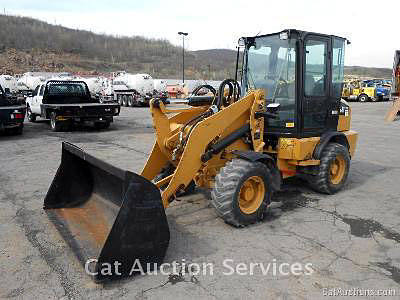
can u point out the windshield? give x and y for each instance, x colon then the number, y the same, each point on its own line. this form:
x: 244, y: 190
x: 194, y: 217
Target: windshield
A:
x: 271, y: 66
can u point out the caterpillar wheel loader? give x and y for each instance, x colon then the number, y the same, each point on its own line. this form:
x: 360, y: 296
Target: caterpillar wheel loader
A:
x: 286, y: 118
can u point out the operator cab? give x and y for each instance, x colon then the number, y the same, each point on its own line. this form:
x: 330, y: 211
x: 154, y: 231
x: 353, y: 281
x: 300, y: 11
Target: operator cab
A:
x: 301, y: 71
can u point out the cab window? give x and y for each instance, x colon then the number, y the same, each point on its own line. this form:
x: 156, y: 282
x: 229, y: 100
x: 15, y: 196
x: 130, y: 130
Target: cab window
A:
x: 41, y: 90
x: 35, y: 93
x: 315, y: 73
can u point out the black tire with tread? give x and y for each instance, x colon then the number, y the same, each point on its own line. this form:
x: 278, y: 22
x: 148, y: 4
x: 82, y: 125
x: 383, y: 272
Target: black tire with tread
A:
x: 29, y: 115
x: 228, y: 182
x: 131, y: 101
x: 125, y: 100
x: 18, y: 130
x: 321, y: 182
x: 102, y: 125
x: 54, y: 124
x: 363, y: 98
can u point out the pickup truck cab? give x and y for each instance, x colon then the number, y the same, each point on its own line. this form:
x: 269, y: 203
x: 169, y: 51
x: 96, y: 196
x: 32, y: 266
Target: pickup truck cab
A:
x: 12, y: 114
x: 67, y: 103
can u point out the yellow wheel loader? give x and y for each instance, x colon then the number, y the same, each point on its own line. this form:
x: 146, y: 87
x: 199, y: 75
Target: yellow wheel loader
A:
x: 286, y: 118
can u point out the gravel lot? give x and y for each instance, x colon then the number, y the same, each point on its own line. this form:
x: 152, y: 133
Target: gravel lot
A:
x: 352, y: 239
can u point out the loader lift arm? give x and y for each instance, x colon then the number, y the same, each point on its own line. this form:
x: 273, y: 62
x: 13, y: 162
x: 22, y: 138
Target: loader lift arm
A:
x: 214, y: 126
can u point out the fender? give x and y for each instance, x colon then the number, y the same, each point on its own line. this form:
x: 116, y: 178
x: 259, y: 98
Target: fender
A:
x: 265, y: 159
x: 327, y: 137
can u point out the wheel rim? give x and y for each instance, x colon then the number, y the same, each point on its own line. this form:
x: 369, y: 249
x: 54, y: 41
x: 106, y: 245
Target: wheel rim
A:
x: 53, y: 122
x: 337, y: 169
x: 251, y: 194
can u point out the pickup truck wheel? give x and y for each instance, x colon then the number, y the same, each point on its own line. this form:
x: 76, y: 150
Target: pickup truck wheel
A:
x: 31, y: 116
x: 102, y: 125
x: 119, y: 98
x: 55, y: 125
x: 18, y: 130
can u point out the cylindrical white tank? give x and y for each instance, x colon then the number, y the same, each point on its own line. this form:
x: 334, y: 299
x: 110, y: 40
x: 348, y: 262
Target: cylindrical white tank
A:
x: 142, y: 83
x: 95, y: 84
x: 8, y: 83
x: 160, y: 85
x: 29, y: 81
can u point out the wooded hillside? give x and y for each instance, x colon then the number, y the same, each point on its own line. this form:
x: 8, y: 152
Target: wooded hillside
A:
x: 27, y: 44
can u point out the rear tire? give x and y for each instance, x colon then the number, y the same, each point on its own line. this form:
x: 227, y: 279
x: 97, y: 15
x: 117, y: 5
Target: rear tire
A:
x: 333, y: 169
x: 102, y: 125
x: 125, y: 100
x: 242, y: 192
x: 18, y: 130
x: 30, y: 116
x: 54, y: 124
x: 131, y: 101
x: 363, y: 98
x: 119, y: 98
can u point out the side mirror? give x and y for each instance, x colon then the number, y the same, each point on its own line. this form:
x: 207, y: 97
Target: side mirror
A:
x: 273, y: 107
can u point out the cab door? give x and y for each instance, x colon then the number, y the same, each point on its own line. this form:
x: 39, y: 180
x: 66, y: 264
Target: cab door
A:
x: 316, y: 87
x: 37, y: 99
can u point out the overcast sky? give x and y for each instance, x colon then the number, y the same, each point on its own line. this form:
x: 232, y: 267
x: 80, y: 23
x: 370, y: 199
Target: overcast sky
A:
x: 369, y: 24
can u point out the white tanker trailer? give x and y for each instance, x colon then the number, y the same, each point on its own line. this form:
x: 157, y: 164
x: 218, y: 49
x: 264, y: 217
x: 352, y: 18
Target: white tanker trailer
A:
x: 28, y: 82
x: 133, y: 89
x: 9, y: 84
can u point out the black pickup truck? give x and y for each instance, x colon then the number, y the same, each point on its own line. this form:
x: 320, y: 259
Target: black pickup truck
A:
x: 67, y: 103
x: 12, y: 114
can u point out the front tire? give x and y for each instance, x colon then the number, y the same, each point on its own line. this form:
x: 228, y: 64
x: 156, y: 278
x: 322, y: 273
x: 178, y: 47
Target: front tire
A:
x: 30, y: 116
x: 363, y: 98
x: 333, y: 169
x: 242, y: 192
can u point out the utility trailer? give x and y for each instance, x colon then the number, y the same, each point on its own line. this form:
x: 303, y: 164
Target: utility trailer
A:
x: 67, y: 103
x: 12, y: 114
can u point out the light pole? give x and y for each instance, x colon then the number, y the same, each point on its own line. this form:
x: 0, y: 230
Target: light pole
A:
x: 183, y: 34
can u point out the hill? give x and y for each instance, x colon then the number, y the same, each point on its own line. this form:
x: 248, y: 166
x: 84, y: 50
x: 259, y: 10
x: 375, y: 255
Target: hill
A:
x: 27, y: 44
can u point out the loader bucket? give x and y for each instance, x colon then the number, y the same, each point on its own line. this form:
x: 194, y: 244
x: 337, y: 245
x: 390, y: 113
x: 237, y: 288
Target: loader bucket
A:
x: 107, y: 215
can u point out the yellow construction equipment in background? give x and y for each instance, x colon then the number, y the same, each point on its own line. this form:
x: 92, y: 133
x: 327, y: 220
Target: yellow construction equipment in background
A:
x: 286, y: 118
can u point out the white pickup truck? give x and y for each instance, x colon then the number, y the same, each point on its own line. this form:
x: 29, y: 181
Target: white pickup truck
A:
x: 66, y: 103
